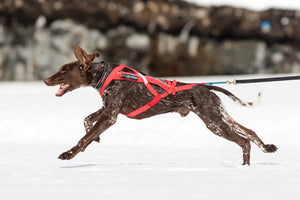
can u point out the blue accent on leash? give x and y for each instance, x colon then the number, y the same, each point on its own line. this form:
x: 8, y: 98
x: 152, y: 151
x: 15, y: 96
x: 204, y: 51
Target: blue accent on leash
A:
x: 213, y: 83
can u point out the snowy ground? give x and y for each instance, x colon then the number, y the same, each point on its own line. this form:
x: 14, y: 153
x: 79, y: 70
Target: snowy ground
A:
x: 164, y: 157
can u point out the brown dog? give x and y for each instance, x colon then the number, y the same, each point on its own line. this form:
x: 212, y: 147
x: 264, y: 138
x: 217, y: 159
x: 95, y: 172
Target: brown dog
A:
x: 132, y: 91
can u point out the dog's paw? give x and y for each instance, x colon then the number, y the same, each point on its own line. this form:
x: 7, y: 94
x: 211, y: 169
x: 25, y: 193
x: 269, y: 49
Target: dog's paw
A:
x: 65, y: 156
x: 246, y: 163
x: 270, y: 148
x: 69, y: 154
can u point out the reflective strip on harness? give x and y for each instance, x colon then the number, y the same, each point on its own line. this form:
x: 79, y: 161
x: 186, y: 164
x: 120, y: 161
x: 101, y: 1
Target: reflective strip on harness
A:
x: 169, y: 87
x: 143, y: 77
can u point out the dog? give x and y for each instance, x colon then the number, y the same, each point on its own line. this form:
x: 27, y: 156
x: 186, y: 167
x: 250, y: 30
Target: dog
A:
x: 139, y: 96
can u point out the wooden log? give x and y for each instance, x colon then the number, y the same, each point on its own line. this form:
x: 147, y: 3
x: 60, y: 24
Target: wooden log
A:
x: 274, y: 25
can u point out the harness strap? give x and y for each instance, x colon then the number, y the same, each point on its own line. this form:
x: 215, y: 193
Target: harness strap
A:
x: 187, y: 87
x: 111, y: 76
x: 169, y: 87
x: 146, y: 107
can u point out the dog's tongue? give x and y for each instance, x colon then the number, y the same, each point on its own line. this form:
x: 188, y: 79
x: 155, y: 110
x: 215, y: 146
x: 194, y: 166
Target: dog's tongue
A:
x: 62, y: 88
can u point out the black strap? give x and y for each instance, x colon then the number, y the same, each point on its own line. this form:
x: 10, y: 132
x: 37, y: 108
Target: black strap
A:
x: 284, y: 78
x: 103, y: 76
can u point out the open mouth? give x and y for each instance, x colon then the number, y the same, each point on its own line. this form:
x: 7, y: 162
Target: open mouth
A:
x: 62, y: 88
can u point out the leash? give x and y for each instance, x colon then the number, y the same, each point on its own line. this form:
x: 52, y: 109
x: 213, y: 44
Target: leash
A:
x: 256, y: 80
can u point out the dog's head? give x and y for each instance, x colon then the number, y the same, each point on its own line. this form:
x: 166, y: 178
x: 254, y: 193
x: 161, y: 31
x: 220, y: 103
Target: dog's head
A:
x: 72, y: 75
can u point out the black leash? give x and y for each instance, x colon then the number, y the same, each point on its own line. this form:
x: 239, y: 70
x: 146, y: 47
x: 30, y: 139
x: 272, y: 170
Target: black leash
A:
x: 259, y: 80
x: 256, y: 80
x: 103, y: 76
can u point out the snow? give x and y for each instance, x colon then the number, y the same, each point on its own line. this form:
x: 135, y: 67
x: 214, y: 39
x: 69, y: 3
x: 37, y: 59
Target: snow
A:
x: 163, y: 157
x: 253, y: 4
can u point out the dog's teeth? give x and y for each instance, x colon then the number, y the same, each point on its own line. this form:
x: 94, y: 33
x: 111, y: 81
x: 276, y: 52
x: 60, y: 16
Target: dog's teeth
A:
x: 62, y: 88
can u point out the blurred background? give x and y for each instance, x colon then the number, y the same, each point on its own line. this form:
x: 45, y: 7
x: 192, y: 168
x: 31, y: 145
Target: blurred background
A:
x: 162, y: 38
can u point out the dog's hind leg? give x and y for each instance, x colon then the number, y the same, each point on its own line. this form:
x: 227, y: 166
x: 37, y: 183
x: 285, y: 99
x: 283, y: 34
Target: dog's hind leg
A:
x: 216, y: 120
x: 250, y: 134
x: 224, y: 130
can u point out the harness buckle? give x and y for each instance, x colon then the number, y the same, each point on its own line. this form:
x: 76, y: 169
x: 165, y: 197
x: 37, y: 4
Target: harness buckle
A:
x: 172, y: 89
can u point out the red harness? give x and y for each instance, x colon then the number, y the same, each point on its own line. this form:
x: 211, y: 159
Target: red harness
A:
x: 169, y: 87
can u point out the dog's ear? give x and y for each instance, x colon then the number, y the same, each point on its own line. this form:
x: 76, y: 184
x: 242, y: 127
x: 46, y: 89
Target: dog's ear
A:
x: 92, y: 56
x: 82, y: 57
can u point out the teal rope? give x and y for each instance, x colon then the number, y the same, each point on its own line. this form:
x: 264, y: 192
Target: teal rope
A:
x: 213, y: 83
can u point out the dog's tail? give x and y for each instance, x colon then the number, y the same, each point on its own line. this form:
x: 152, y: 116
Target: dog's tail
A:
x: 233, y: 97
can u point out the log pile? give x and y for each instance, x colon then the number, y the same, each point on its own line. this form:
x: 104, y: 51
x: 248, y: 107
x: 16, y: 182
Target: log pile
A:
x: 165, y: 38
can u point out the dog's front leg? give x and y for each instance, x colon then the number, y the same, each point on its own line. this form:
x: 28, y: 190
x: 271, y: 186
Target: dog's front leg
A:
x: 104, y: 122
x: 90, y: 120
